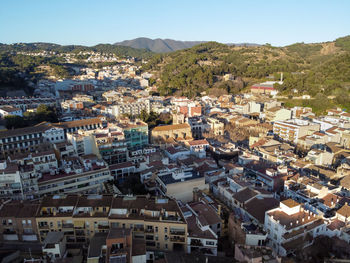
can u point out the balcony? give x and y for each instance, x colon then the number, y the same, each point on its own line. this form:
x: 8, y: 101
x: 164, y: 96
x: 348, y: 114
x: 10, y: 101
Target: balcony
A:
x: 177, y: 239
x: 67, y: 225
x: 43, y: 226
x: 150, y: 243
x: 79, y: 233
x: 9, y: 232
x: 118, y: 251
x: 177, y: 232
x: 149, y: 230
x: 138, y: 229
x: 103, y: 226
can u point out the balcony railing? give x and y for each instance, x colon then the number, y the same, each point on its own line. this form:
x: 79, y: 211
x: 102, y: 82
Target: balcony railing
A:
x: 103, y: 226
x: 67, y: 225
x: 177, y: 232
x: 138, y: 228
x: 9, y: 232
x: 43, y: 226
x: 148, y: 230
x: 177, y: 239
x: 119, y: 251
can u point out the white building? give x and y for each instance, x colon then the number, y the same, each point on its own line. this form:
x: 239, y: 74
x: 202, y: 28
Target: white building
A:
x: 9, y: 110
x: 54, y: 245
x: 290, y: 227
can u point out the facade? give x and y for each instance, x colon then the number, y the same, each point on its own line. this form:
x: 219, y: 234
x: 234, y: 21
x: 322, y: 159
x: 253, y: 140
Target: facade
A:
x: 180, y: 183
x: 18, y: 221
x: 294, y: 129
x: 216, y: 126
x: 135, y: 134
x: 156, y: 221
x: 170, y: 133
x: 202, y: 234
x: 7, y: 110
x: 277, y: 114
x: 25, y: 103
x: 291, y: 227
x: 133, y: 109
x: 29, y: 139
x: 84, y: 124
x: 85, y: 174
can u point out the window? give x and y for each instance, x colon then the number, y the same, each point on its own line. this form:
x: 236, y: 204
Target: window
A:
x: 166, y: 246
x: 10, y: 222
x: 4, y: 223
x: 165, y: 230
x: 210, y: 243
x: 156, y: 229
x: 23, y: 222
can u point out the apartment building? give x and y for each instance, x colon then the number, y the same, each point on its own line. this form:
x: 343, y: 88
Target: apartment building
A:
x: 71, y: 105
x: 29, y: 139
x: 179, y: 183
x: 84, y: 174
x: 25, y: 103
x: 10, y: 181
x: 8, y: 110
x: 157, y: 221
x: 277, y: 114
x: 18, y: 221
x: 293, y: 129
x: 84, y: 124
x: 204, y: 227
x: 133, y: 108
x: 291, y: 227
x: 198, y: 126
x: 83, y: 142
x: 135, y: 134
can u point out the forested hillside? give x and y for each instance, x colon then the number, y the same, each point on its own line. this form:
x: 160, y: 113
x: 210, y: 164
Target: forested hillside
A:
x: 308, y: 69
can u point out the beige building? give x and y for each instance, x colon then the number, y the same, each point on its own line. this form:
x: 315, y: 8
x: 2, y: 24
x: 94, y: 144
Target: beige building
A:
x: 216, y: 126
x: 293, y: 129
x: 171, y: 133
x: 157, y: 221
x: 277, y: 114
x: 181, y: 188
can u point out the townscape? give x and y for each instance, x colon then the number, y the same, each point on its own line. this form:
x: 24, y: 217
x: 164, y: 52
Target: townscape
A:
x: 127, y: 175
x: 174, y: 131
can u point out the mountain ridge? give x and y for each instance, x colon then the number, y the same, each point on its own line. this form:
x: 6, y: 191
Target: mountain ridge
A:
x: 158, y: 45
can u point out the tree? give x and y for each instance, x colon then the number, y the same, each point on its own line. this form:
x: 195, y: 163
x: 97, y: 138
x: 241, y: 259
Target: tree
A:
x: 14, y: 122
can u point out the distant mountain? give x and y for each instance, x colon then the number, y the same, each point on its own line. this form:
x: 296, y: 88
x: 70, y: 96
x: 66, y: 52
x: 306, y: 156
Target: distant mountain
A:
x: 243, y: 44
x: 158, y: 45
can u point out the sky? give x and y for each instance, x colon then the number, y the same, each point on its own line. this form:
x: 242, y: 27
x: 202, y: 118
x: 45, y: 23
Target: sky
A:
x: 90, y: 22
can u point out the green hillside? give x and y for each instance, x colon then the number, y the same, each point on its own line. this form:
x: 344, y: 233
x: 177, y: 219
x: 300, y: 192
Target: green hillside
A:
x: 308, y: 69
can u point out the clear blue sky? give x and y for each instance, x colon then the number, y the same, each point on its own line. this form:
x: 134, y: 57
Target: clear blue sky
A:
x: 86, y: 22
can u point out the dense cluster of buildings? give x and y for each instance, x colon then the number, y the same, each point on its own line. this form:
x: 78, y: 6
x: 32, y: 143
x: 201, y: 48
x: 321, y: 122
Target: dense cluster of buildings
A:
x: 271, y: 179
